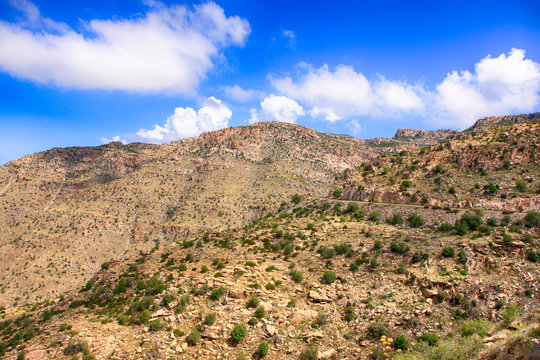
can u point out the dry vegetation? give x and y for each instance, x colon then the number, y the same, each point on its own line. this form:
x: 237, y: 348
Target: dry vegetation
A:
x: 223, y: 247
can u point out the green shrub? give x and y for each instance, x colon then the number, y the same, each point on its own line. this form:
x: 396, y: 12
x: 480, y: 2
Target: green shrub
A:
x: 270, y: 287
x: 337, y: 193
x: 76, y: 346
x: 377, y: 329
x: 360, y: 214
x: 374, y: 216
x: 260, y: 312
x: 194, y: 338
x: 239, y: 332
x: 123, y: 319
x: 479, y: 327
x: 445, y: 227
x: 167, y: 299
x: 155, y: 286
x: 329, y: 277
x: 296, y: 199
x: 532, y: 255
x: 352, y: 208
x: 297, y: 276
x: 491, y: 222
x: 430, y: 339
x: 405, y: 184
x: 216, y: 294
x: 509, y: 315
x: 399, y: 248
x: 311, y: 352
x: 377, y: 245
x: 373, y: 263
x: 156, y: 325
x: 505, y: 221
x: 532, y: 219
x: 396, y: 219
x: 491, y: 187
x: 448, y: 251
x: 521, y: 186
x: 416, y: 221
x: 262, y: 350
x: 143, y: 317
x: 452, y: 349
x: 349, y: 313
x: 473, y: 221
x: 210, y: 319
x: 400, y: 342
x: 326, y: 252
x: 461, y: 228
x: 121, y: 287
x: 253, y: 302
x: 89, y: 285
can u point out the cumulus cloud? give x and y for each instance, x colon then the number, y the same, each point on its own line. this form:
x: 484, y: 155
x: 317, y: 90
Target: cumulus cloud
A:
x: 498, y: 86
x: 277, y: 108
x: 506, y: 84
x: 166, y: 49
x: 343, y: 92
x: 114, y: 139
x: 186, y: 122
x: 240, y: 94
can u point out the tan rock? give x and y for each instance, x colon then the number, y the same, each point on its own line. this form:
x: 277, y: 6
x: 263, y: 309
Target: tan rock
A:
x: 36, y: 354
x: 269, y: 330
x: 319, y: 297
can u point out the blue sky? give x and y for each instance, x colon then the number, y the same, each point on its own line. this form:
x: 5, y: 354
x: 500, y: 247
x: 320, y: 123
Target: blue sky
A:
x: 83, y: 73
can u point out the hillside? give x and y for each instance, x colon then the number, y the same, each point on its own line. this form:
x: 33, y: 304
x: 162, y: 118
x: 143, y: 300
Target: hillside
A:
x: 320, y: 279
x: 496, y: 169
x: 318, y: 244
x: 66, y: 211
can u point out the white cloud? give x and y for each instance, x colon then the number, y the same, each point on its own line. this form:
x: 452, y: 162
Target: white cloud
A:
x: 343, y: 93
x: 186, y: 122
x: 114, y: 139
x: 239, y: 94
x: 502, y: 85
x: 509, y: 83
x: 277, y: 108
x: 291, y: 37
x: 167, y: 49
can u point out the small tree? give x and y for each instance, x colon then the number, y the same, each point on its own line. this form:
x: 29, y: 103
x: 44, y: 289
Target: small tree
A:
x: 194, y: 338
x: 532, y: 219
x: 329, y: 277
x: 448, y: 251
x: 239, y: 332
x: 210, y: 319
x: 521, y: 186
x: 416, y: 221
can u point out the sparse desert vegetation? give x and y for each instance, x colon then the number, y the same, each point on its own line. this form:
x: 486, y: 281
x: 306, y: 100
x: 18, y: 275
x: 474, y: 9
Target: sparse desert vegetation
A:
x: 374, y: 260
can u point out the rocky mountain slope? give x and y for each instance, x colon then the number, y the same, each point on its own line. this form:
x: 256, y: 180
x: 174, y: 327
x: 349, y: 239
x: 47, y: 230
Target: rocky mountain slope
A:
x: 317, y: 280
x: 66, y: 211
x: 495, y: 169
x: 303, y: 245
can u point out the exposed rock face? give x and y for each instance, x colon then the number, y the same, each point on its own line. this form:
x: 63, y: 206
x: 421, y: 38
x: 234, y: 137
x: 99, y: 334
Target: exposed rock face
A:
x: 475, y: 170
x: 485, y: 123
x: 437, y: 135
